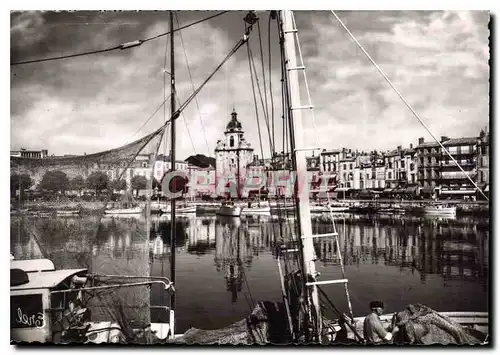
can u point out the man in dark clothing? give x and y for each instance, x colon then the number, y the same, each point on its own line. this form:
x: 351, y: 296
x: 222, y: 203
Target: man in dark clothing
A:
x: 373, y: 329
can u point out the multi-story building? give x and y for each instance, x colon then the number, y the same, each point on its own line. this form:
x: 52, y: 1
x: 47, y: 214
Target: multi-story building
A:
x: 410, y: 165
x: 483, y: 163
x: 232, y: 154
x: 428, y: 156
x: 329, y: 160
x: 34, y: 154
x: 454, y: 183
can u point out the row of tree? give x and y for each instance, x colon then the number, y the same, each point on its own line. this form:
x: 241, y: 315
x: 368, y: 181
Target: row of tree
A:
x: 58, y: 182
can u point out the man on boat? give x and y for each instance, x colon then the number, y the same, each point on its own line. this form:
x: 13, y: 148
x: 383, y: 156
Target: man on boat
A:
x: 373, y: 329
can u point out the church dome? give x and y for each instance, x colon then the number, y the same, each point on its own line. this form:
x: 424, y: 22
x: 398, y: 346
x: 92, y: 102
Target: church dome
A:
x: 234, y: 124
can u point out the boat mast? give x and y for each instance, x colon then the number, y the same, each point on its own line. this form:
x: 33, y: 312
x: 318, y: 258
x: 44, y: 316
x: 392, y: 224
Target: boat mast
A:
x: 299, y: 160
x: 173, y: 96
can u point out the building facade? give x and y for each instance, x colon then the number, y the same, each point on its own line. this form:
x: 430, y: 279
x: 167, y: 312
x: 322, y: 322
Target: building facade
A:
x: 232, y: 155
x: 453, y: 182
x: 483, y: 163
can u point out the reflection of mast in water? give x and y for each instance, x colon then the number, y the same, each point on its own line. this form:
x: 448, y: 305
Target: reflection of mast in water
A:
x: 229, y: 249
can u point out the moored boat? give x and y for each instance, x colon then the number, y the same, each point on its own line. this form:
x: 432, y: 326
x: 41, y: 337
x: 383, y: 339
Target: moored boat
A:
x: 229, y: 209
x: 439, y: 209
x: 131, y: 210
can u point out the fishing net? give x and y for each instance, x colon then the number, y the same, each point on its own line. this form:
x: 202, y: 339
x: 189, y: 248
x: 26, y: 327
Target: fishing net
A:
x: 266, y: 324
x: 98, y: 189
x: 419, y: 324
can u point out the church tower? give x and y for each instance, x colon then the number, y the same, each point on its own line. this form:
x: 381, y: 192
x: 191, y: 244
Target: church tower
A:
x: 232, y: 154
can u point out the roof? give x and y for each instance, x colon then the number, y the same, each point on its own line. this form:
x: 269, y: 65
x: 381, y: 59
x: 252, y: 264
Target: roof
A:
x: 234, y: 124
x: 47, y: 279
x: 201, y: 161
x: 427, y: 145
x: 459, y: 141
x: 332, y: 151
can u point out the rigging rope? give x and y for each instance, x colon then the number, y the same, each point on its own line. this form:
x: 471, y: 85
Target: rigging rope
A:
x: 255, y: 102
x: 266, y: 119
x: 151, y: 116
x: 120, y: 46
x: 192, y: 86
x: 270, y: 83
x: 264, y: 79
x: 406, y: 102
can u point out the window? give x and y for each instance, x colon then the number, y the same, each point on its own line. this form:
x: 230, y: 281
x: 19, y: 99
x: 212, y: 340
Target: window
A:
x: 390, y: 165
x: 429, y: 160
x: 402, y: 164
x: 232, y: 161
x: 144, y: 164
x: 231, y: 141
x: 345, y: 166
x: 422, y: 161
x: 412, y: 166
x: 389, y: 175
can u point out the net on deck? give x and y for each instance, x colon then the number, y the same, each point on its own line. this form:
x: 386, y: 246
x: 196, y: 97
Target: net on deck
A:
x: 111, y: 192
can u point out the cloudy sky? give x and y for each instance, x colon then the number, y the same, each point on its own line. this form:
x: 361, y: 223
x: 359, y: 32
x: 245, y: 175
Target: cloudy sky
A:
x: 437, y: 60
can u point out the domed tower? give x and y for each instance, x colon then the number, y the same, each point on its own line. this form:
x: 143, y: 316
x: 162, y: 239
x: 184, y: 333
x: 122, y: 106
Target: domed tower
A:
x: 232, y: 154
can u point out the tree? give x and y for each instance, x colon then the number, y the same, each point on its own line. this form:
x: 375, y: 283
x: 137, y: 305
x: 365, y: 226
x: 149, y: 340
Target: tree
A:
x: 20, y: 182
x: 98, y: 181
x: 77, y: 184
x: 119, y: 185
x: 54, y: 181
x: 138, y: 182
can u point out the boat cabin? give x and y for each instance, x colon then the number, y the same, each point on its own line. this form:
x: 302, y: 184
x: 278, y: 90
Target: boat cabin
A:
x: 36, y: 307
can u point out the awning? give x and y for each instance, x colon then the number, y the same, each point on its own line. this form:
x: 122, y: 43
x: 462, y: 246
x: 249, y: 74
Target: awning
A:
x: 458, y: 192
x: 388, y: 190
x: 399, y: 191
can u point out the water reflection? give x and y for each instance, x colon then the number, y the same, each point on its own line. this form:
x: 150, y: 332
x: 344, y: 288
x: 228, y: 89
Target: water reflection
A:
x: 456, y: 251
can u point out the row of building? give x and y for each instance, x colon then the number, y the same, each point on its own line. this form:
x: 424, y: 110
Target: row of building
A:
x: 426, y: 169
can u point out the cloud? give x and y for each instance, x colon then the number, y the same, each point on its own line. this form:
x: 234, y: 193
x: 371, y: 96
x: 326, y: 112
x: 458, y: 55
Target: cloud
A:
x: 438, y: 60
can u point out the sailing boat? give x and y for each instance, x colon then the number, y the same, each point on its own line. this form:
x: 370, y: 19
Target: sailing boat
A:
x: 127, y: 205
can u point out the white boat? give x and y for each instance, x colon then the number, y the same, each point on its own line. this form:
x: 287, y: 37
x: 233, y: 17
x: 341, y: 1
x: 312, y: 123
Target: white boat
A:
x: 131, y: 210
x: 440, y: 210
x: 67, y: 212
x: 259, y: 208
x: 229, y: 210
x: 179, y: 209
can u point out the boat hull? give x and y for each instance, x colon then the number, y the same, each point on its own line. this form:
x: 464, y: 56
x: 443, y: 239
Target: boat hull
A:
x: 188, y: 209
x: 230, y: 211
x: 134, y: 210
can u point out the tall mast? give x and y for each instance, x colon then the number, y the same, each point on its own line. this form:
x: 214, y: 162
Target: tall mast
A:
x: 172, y: 152
x: 299, y: 160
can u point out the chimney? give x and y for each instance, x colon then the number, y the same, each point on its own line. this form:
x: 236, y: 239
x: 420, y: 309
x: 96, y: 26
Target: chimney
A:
x: 420, y: 140
x: 399, y: 148
x: 411, y: 146
x: 444, y: 139
x: 255, y: 157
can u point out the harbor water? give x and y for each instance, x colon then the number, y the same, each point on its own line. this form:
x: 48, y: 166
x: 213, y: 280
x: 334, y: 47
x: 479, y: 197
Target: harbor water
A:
x: 225, y: 265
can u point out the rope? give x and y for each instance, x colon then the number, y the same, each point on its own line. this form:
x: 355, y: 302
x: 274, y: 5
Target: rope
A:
x: 255, y: 102
x: 406, y: 102
x: 192, y: 86
x: 151, y: 116
x: 120, y: 46
x: 270, y: 82
x: 266, y: 119
x: 264, y: 76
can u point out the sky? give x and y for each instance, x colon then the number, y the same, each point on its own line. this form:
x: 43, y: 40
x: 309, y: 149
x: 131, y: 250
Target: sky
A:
x: 438, y: 60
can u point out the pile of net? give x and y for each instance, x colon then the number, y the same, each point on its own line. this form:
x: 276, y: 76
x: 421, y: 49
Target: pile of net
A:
x: 419, y: 324
x: 266, y: 324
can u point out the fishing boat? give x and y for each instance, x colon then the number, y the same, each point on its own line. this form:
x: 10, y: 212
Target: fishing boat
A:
x: 49, y: 305
x: 440, y: 209
x: 229, y: 209
x: 127, y: 205
x: 260, y: 208
x: 297, y: 319
x: 180, y: 209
